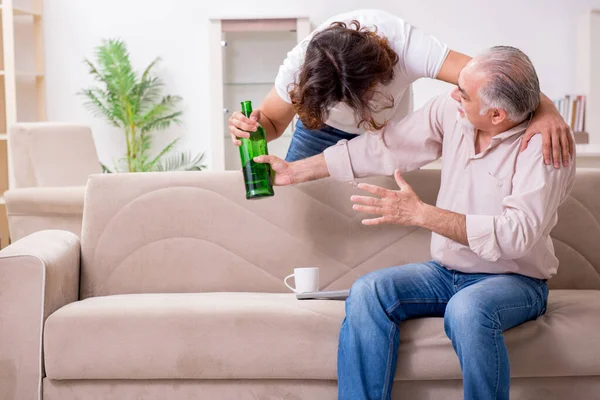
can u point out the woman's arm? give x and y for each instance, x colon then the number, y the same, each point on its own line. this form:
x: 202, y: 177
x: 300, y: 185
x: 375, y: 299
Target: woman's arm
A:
x: 452, y: 66
x: 274, y: 115
x: 557, y: 141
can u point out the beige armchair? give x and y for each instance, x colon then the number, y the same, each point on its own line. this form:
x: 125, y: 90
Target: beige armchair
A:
x: 50, y: 163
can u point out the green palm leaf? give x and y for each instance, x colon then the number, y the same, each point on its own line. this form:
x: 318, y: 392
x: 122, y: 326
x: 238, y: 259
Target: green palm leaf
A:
x: 181, y: 162
x: 161, y: 115
x: 105, y: 169
x: 98, y: 105
x: 134, y: 103
x: 151, y: 165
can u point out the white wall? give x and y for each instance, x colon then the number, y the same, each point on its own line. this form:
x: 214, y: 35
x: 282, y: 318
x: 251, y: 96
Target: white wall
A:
x: 177, y: 31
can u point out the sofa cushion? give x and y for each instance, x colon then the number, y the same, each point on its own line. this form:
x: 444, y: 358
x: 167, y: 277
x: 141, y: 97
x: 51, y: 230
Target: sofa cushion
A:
x: 260, y: 336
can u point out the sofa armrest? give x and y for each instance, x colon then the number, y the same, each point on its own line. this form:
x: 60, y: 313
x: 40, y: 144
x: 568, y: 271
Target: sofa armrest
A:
x: 45, y: 200
x: 41, y: 208
x: 38, y: 275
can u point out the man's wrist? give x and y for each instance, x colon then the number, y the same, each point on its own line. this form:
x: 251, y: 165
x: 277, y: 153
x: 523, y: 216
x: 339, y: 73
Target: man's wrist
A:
x: 423, y: 216
x: 309, y: 169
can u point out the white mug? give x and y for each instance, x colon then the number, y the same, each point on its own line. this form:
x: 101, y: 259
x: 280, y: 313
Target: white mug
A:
x: 307, y: 280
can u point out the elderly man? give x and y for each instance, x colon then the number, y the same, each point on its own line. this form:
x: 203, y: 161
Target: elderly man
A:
x: 491, y: 248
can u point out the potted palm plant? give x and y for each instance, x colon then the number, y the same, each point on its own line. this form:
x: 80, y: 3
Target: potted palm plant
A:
x: 134, y: 103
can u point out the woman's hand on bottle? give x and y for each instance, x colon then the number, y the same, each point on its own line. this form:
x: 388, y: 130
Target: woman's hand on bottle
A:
x: 240, y: 125
x: 283, y: 170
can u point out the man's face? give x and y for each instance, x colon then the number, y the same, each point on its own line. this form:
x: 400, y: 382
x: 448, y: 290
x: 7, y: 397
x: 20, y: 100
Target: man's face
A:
x: 467, y: 95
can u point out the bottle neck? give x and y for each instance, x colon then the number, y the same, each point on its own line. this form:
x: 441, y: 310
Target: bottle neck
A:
x: 247, y: 108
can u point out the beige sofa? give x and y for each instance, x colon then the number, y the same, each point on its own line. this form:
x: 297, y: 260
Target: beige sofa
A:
x: 51, y: 162
x: 175, y: 292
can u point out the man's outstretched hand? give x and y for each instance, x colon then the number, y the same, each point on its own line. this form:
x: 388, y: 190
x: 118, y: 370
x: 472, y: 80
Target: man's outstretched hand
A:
x: 402, y: 207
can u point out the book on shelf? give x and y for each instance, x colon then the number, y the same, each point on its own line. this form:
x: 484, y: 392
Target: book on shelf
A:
x: 572, y: 109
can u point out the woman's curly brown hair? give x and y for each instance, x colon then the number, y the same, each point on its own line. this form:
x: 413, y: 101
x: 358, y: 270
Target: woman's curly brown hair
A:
x: 342, y: 64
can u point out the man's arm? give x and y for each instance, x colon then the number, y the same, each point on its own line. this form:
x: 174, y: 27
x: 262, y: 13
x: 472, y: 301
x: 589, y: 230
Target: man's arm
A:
x: 446, y: 223
x: 309, y: 169
x: 538, y: 190
x: 408, y: 144
x: 404, y: 207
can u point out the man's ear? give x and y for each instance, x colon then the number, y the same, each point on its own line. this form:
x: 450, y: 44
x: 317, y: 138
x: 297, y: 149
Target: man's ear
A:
x: 498, y: 116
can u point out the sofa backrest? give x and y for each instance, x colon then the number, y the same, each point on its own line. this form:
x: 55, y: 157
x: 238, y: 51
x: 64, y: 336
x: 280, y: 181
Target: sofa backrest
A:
x: 52, y: 154
x: 576, y: 236
x: 196, y: 232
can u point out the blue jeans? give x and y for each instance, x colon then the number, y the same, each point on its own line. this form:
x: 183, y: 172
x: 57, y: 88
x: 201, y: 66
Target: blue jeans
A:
x: 307, y: 143
x: 476, y: 308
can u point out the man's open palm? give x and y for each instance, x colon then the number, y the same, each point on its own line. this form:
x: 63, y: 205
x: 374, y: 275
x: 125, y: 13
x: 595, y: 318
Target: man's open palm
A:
x: 393, y: 206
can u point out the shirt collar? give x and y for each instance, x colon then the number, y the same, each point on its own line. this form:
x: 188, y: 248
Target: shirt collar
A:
x: 469, y: 132
x: 516, y: 130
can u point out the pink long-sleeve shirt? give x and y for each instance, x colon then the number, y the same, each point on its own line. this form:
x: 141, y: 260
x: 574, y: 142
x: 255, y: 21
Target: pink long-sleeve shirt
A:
x: 510, y: 198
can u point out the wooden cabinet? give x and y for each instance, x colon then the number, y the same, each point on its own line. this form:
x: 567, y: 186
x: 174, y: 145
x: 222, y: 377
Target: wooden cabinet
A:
x: 245, y: 55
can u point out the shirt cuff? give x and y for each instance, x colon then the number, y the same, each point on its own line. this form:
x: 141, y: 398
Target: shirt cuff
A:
x: 482, y: 236
x: 338, y: 162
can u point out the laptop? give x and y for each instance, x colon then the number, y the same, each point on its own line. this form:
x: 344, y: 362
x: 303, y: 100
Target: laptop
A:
x: 324, y: 295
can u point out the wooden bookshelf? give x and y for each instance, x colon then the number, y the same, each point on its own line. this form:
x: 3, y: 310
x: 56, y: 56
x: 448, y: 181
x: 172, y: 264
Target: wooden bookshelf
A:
x: 11, y: 75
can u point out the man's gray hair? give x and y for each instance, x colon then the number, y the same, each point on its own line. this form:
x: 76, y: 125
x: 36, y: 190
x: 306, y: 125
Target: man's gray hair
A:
x: 511, y: 84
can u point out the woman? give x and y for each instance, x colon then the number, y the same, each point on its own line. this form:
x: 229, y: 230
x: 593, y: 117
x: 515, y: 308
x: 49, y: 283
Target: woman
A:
x: 353, y: 74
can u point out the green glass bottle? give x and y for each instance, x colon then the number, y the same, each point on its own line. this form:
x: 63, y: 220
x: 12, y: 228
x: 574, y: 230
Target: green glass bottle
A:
x: 257, y: 177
